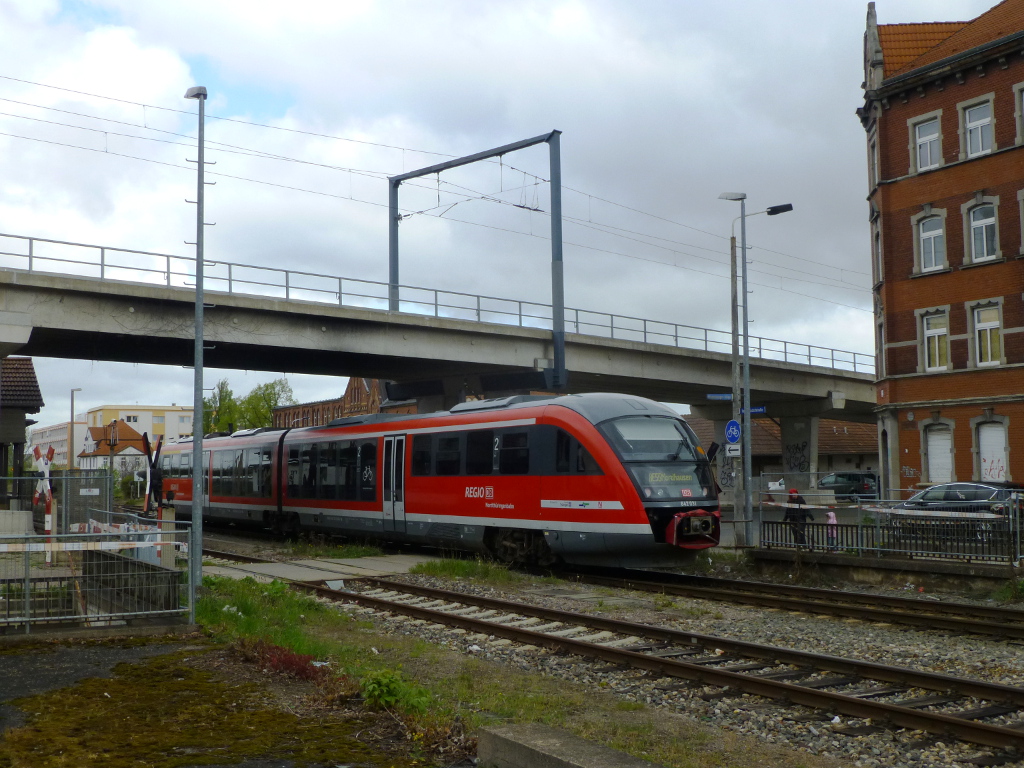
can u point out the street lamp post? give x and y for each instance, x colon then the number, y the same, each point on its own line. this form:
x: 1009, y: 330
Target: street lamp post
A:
x: 71, y: 430
x: 196, y: 544
x: 748, y: 501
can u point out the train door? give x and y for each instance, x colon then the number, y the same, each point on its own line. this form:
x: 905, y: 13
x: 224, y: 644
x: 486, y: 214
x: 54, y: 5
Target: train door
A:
x: 394, y: 483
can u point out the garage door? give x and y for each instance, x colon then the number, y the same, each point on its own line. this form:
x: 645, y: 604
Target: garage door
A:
x: 992, y: 450
x: 940, y: 462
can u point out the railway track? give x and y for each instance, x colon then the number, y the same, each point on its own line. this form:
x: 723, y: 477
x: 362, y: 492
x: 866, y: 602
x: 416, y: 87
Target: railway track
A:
x: 1004, y: 623
x: 895, y: 696
x: 884, y: 696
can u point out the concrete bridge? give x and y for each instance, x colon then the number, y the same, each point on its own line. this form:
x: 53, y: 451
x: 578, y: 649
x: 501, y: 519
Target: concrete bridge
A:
x: 68, y: 300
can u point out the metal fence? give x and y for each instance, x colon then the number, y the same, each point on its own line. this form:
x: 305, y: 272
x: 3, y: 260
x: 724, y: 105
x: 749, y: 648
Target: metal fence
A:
x: 36, y: 254
x: 111, y: 575
x: 966, y: 533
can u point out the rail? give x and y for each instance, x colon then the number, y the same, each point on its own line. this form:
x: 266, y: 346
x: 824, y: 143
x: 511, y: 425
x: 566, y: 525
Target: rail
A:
x: 38, y: 254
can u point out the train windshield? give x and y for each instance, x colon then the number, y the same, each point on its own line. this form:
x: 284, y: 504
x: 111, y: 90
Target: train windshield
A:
x: 663, y: 457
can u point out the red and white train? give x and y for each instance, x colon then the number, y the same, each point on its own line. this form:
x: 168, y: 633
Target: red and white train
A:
x: 587, y: 479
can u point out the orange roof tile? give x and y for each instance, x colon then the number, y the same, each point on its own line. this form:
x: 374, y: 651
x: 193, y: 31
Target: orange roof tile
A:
x: 1003, y: 20
x: 905, y: 43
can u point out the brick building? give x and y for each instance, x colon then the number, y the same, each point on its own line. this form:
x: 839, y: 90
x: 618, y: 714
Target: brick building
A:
x: 361, y: 396
x: 944, y: 118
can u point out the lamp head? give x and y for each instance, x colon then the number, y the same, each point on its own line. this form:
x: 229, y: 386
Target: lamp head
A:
x: 775, y: 210
x: 733, y: 196
x: 196, y: 92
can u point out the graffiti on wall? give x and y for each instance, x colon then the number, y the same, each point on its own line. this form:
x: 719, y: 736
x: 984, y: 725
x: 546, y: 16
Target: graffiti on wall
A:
x: 796, y: 457
x: 727, y: 474
x: 993, y: 469
x: 909, y: 471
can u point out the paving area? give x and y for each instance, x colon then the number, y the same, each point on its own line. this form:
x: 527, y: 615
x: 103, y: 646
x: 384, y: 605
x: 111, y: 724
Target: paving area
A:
x: 333, y: 571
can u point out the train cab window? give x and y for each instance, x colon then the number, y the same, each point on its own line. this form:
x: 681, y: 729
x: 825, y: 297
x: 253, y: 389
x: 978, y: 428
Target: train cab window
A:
x: 449, y: 455
x: 514, y: 453
x: 480, y: 452
x: 294, y: 473
x: 420, y: 455
x: 573, y: 458
x: 368, y: 470
x: 348, y: 471
x: 307, y: 471
x: 327, y: 474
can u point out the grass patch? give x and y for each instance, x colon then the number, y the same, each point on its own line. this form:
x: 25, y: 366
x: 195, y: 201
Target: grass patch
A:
x: 483, y: 571
x: 1011, y: 591
x: 441, y: 693
x: 320, y: 547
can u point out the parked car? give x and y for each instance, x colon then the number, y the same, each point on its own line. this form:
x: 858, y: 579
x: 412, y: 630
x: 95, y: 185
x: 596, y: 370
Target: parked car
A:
x: 850, y: 486
x: 952, y: 500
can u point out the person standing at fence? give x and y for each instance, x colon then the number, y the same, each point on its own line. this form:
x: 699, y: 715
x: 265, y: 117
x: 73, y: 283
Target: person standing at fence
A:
x: 797, y: 516
x: 831, y: 529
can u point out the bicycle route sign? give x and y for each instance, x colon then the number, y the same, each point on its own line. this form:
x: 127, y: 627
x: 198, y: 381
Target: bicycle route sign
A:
x: 732, y: 431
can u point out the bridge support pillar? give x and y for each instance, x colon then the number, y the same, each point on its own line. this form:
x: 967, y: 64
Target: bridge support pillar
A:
x: 15, y: 330
x: 800, y: 451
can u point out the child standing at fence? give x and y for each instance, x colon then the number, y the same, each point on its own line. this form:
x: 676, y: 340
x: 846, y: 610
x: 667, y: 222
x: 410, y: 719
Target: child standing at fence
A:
x: 831, y: 529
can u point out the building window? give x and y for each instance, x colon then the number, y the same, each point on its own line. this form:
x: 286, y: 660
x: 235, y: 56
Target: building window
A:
x: 873, y: 177
x: 932, y: 243
x: 983, y: 232
x: 936, y: 342
x: 987, y: 342
x: 131, y: 419
x: 927, y: 138
x: 977, y: 126
x: 939, y: 447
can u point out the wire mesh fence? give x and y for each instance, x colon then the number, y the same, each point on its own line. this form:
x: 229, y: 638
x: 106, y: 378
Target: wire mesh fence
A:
x: 113, y: 576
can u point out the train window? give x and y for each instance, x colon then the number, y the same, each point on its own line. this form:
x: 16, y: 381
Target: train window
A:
x: 368, y: 470
x: 174, y: 465
x: 265, y: 471
x: 571, y: 457
x: 639, y: 438
x: 328, y: 472
x: 218, y: 472
x: 238, y: 474
x: 421, y: 455
x: 514, y: 453
x: 348, y: 471
x: 449, y: 455
x: 294, y: 474
x: 480, y: 452
x: 186, y: 465
x: 252, y: 472
x: 307, y: 471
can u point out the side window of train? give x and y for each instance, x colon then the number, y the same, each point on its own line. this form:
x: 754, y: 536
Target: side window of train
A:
x: 368, y: 470
x: 571, y: 457
x: 420, y: 455
x: 266, y: 469
x: 514, y: 453
x: 327, y: 474
x: 449, y: 455
x: 186, y: 465
x: 307, y: 471
x: 294, y: 474
x: 480, y: 452
x: 173, y: 467
x: 252, y: 472
x: 238, y: 474
x: 348, y: 471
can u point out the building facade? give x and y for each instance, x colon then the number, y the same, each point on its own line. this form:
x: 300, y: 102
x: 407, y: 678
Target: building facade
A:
x: 115, y: 445
x: 170, y: 422
x: 362, y: 396
x: 944, y: 118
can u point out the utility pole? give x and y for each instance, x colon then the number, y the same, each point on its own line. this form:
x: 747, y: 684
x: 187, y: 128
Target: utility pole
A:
x: 738, y: 476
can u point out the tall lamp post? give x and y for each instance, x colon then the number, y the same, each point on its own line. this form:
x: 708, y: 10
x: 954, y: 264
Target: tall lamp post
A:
x: 196, y: 545
x: 71, y: 430
x: 748, y: 501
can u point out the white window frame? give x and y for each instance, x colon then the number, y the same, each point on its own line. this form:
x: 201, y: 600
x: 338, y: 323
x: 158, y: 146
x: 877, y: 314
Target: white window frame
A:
x: 977, y: 329
x: 985, y: 229
x: 929, y: 145
x: 967, y: 211
x: 966, y: 127
x: 913, y: 124
x: 941, y: 337
x: 920, y: 239
x: 1018, y: 112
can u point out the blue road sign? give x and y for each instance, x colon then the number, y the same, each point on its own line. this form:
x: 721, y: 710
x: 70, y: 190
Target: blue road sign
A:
x: 757, y: 409
x: 719, y: 396
x: 732, y: 431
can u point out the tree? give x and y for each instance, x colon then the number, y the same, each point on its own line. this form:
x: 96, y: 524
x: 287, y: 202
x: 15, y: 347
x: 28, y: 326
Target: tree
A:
x: 257, y: 408
x: 220, y: 410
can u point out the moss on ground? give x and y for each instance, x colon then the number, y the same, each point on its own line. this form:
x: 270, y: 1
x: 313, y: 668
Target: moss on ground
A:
x: 164, y: 713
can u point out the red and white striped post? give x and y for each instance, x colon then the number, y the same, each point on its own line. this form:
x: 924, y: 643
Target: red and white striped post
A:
x: 42, y: 462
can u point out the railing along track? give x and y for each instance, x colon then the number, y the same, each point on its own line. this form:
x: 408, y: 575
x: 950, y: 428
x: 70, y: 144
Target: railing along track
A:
x: 664, y: 660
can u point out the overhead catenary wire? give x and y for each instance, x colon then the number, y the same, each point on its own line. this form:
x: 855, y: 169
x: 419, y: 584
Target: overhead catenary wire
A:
x: 382, y: 205
x: 532, y: 206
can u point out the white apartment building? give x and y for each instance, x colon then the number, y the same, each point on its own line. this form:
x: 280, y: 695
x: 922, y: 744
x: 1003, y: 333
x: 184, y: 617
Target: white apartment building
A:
x: 171, y: 422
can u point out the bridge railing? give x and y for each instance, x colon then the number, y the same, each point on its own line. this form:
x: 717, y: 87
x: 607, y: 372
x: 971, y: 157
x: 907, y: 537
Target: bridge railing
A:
x: 36, y: 254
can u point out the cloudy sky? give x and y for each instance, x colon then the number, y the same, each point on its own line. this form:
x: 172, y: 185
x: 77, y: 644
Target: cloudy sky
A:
x: 663, y: 106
